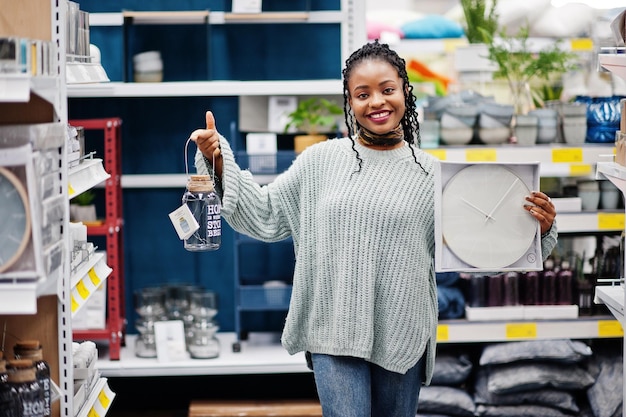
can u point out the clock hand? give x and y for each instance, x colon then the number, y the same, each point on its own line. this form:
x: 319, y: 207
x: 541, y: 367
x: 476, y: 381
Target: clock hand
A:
x: 490, y: 215
x: 475, y: 208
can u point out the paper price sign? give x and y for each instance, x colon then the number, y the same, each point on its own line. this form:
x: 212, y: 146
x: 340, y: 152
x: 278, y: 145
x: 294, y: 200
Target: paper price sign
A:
x: 610, y: 328
x: 610, y: 221
x: 521, y: 331
x: 571, y: 155
x: 442, y: 333
x: 437, y: 153
x: 481, y: 155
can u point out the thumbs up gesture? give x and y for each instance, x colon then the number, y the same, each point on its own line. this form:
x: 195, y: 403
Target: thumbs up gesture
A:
x: 208, y: 143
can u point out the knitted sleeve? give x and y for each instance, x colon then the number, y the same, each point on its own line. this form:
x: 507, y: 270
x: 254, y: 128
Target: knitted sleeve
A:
x: 549, y: 241
x: 247, y: 206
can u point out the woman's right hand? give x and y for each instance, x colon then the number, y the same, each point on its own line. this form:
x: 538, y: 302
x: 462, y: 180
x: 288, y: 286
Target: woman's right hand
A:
x: 207, y: 141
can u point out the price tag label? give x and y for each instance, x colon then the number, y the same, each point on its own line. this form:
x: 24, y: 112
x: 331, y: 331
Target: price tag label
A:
x: 70, y: 190
x: 104, y: 399
x: 94, y: 277
x: 610, y: 221
x: 442, y: 333
x: 93, y: 413
x: 450, y: 44
x: 481, y: 155
x: 437, y: 153
x: 74, y: 304
x: 521, y: 330
x: 82, y: 290
x: 580, y: 170
x: 571, y: 155
x: 581, y: 45
x: 610, y: 328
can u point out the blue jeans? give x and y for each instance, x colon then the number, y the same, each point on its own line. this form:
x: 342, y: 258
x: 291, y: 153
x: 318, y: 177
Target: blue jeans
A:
x: 353, y: 387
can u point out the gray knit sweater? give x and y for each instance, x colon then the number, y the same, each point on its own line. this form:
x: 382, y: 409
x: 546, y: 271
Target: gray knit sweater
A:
x: 364, y: 280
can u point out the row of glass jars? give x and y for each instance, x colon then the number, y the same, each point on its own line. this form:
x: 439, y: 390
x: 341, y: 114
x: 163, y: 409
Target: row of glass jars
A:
x: 195, y: 306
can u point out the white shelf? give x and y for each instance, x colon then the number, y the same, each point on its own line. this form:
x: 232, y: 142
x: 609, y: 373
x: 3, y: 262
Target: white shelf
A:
x: 99, y: 400
x: 272, y: 358
x: 463, y: 331
x: 614, y: 62
x: 86, y: 175
x: 84, y: 73
x: 556, y: 159
x: 206, y: 88
x: 258, y: 358
x: 88, y: 278
x: 613, y: 297
x: 215, y: 17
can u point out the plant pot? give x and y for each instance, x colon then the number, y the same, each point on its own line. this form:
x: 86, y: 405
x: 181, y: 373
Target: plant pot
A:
x: 83, y: 213
x: 525, y: 129
x: 301, y: 142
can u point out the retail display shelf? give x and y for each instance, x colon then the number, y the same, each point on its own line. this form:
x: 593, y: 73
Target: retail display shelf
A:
x: 463, y: 331
x: 613, y: 297
x: 254, y: 358
x: 86, y: 175
x: 556, y: 159
x: 99, y: 400
x: 450, y: 44
x: 614, y: 172
x: 205, y: 88
x: 16, y: 88
x: 615, y: 61
x: 88, y: 278
x: 272, y: 358
x: 18, y: 298
x: 214, y: 17
x: 83, y: 72
x: 590, y: 222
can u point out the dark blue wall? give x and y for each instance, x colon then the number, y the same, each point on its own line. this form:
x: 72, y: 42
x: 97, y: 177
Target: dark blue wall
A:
x: 154, y: 131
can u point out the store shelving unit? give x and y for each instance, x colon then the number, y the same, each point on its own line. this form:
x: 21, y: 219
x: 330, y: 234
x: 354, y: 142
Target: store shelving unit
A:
x: 111, y: 229
x: 31, y: 100
x: 613, y: 296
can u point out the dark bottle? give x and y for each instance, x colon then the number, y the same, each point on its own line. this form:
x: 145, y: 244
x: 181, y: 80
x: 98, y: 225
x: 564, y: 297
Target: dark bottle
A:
x: 530, y: 288
x: 32, y: 350
x: 565, y: 284
x: 23, y: 380
x: 9, y: 404
x: 495, y: 290
x: 511, y: 289
x: 548, y: 283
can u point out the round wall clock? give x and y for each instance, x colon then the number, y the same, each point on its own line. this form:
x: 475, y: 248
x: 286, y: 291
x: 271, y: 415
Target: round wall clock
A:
x: 14, y: 219
x: 483, y: 219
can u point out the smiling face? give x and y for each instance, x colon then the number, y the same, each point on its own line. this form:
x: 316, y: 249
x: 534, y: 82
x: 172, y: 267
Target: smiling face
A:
x: 376, y: 95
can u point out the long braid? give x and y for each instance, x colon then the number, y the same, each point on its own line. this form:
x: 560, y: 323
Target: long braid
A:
x: 409, y: 122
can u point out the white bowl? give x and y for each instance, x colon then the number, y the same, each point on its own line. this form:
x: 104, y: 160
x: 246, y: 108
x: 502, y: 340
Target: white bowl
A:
x: 486, y: 121
x: 456, y: 136
x: 449, y: 121
x: 494, y: 135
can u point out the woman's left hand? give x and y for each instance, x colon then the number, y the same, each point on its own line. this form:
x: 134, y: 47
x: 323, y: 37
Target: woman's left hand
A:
x: 541, y: 209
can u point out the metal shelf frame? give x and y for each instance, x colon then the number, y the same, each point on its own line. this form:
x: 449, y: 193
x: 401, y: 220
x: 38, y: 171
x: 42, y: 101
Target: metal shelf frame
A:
x: 111, y: 229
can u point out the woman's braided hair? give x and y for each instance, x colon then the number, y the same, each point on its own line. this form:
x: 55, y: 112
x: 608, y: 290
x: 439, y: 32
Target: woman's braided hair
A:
x: 380, y: 51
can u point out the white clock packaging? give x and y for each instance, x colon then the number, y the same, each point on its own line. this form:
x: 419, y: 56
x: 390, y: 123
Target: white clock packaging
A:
x: 480, y: 221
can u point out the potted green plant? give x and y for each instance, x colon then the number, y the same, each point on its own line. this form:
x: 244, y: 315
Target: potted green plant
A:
x: 312, y: 116
x: 520, y: 65
x: 480, y: 15
x: 82, y: 207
